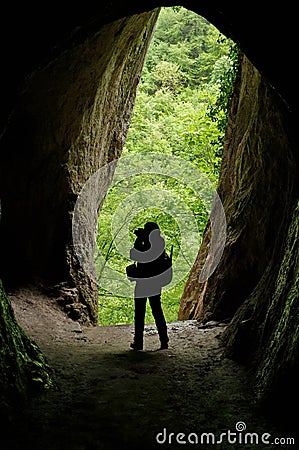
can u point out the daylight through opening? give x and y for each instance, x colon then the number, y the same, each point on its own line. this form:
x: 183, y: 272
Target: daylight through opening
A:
x: 180, y: 112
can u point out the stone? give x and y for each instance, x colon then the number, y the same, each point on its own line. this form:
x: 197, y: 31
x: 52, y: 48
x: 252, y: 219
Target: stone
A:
x: 77, y: 311
x: 77, y: 328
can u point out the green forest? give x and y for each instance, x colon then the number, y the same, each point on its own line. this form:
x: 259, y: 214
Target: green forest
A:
x: 180, y: 111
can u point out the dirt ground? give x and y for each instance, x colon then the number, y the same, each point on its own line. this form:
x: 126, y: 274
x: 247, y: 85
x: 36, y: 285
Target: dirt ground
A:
x: 106, y: 396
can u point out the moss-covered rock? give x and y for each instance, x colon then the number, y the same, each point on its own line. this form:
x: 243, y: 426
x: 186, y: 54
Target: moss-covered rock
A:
x: 23, y: 367
x: 264, y: 334
x: 278, y: 368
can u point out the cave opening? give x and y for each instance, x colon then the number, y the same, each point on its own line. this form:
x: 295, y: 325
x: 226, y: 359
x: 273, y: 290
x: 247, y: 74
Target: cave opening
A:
x: 181, y: 111
x: 69, y: 120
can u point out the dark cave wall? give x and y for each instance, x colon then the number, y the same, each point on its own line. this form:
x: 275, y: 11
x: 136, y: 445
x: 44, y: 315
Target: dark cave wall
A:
x: 277, y: 331
x: 71, y: 118
x: 264, y: 333
x: 266, y: 35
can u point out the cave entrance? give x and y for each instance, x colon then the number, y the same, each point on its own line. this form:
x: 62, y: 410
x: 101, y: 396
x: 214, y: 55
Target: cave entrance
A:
x: 180, y: 112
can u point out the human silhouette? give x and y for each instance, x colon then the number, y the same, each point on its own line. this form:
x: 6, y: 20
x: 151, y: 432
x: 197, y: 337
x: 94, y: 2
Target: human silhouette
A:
x: 149, y: 253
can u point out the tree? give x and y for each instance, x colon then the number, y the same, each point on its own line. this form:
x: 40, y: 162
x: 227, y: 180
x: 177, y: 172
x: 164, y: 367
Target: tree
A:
x: 167, y: 76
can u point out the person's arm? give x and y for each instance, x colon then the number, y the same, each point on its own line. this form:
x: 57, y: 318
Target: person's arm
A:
x: 135, y: 254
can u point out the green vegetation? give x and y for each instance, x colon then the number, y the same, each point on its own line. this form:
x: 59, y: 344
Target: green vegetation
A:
x: 181, y: 110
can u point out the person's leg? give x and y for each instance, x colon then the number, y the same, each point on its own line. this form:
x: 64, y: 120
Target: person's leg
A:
x: 156, y: 307
x: 140, y: 306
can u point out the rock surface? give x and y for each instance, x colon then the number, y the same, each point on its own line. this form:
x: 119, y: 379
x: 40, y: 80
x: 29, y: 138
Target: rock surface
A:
x: 71, y: 119
x: 264, y: 332
x: 257, y: 189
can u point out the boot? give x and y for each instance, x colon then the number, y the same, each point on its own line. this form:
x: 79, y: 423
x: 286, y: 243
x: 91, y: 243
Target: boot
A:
x: 164, y: 344
x: 136, y: 347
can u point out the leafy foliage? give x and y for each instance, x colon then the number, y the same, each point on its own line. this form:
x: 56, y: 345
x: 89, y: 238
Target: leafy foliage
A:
x: 181, y: 110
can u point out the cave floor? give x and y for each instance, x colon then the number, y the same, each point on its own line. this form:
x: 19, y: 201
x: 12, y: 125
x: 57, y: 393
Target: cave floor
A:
x: 106, y: 396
